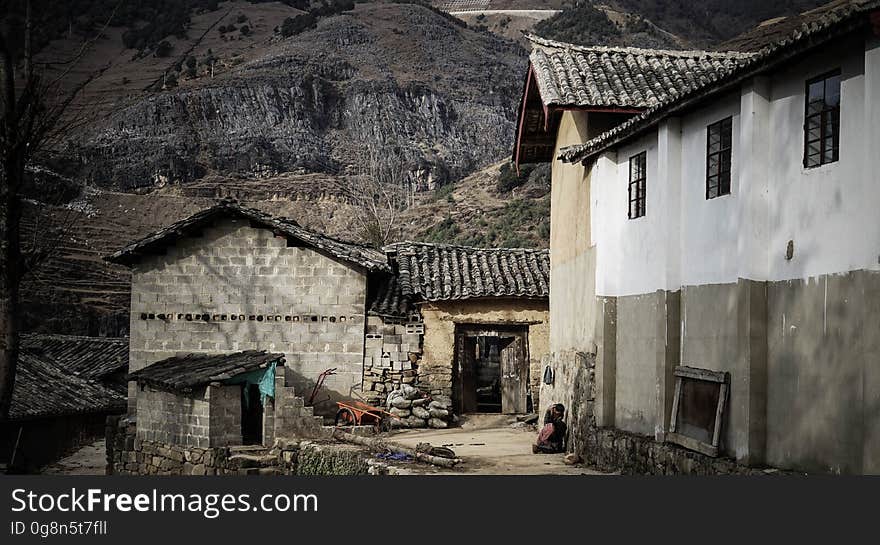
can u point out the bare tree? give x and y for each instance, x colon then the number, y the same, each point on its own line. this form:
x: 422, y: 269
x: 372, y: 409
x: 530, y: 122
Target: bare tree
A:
x: 35, y: 118
x: 379, y: 192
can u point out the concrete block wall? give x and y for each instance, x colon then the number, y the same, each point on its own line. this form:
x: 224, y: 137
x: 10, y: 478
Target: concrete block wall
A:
x: 392, y: 355
x: 173, y: 418
x: 225, y: 411
x: 237, y: 287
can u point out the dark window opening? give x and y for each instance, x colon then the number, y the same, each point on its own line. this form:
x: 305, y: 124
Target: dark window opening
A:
x: 822, y: 120
x: 719, y: 138
x: 637, y: 177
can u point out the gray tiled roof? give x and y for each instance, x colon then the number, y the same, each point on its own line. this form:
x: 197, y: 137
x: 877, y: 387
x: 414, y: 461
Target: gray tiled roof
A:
x: 43, y: 390
x: 437, y: 272
x: 625, y: 77
x: 801, y: 34
x: 359, y: 254
x: 183, y: 373
x: 90, y: 358
x: 390, y: 300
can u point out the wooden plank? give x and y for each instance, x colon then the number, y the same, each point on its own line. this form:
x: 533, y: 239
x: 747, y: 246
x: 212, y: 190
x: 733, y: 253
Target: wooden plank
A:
x: 692, y: 444
x: 700, y: 374
x: 673, y: 419
x: 719, y: 414
x: 514, y: 376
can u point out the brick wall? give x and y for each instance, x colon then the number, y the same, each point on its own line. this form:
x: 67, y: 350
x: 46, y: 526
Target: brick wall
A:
x: 237, y: 287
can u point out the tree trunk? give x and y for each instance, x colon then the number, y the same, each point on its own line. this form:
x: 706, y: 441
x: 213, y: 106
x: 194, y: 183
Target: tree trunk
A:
x: 10, y: 279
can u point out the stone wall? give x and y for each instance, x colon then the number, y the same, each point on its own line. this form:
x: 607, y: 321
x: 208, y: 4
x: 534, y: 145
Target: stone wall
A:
x: 237, y: 287
x: 129, y: 455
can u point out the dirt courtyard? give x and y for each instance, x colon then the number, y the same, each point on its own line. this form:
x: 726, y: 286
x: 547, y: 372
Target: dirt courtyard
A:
x: 490, y: 445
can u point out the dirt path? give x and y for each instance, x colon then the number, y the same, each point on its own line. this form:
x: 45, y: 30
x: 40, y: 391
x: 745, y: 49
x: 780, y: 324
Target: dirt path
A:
x: 497, y: 449
x: 88, y: 460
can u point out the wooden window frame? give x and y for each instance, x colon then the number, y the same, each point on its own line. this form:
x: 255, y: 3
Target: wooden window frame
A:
x: 824, y: 123
x: 693, y: 373
x: 719, y: 180
x: 639, y: 184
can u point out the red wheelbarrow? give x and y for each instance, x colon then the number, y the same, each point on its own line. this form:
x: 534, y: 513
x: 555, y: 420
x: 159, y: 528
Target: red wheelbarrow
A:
x: 357, y: 413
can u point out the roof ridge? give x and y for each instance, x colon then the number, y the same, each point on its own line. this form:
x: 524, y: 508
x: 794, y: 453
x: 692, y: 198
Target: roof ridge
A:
x: 632, y: 126
x: 35, y: 335
x: 395, y: 245
x: 689, y: 53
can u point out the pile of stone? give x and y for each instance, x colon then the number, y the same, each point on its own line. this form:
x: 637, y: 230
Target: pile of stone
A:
x: 378, y: 382
x: 417, y: 410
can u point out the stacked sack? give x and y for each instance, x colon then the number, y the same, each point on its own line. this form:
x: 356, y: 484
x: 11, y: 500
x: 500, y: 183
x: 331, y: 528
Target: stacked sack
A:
x: 416, y: 410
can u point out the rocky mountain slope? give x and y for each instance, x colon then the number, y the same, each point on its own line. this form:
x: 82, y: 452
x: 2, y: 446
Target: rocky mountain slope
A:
x: 393, y: 87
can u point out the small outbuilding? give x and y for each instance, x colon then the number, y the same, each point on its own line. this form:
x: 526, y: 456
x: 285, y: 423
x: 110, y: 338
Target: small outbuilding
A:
x: 207, y: 400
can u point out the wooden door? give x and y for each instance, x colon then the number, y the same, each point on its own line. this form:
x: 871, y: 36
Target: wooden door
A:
x: 514, y: 375
x: 466, y: 367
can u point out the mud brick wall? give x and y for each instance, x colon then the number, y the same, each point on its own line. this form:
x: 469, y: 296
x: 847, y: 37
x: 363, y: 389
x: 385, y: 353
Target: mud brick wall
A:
x: 237, y: 287
x: 207, y: 417
x: 393, y: 349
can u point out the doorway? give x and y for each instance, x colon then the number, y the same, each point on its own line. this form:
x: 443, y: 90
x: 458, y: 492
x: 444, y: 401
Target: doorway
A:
x: 251, y: 415
x: 491, y: 372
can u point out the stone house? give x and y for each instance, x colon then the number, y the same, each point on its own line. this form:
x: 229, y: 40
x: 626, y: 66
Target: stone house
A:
x: 713, y: 261
x: 485, y: 319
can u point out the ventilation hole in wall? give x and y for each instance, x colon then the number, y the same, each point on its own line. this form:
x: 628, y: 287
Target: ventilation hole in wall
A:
x: 189, y: 317
x: 277, y: 318
x: 314, y: 318
x: 252, y: 317
x: 222, y: 317
x: 269, y: 317
x: 342, y: 318
x: 160, y: 316
x: 206, y: 317
x: 233, y: 317
x: 241, y: 317
x: 180, y: 316
x: 333, y: 319
x: 143, y: 315
x: 296, y: 318
x: 215, y: 317
x: 323, y: 318
x: 287, y: 318
x: 151, y: 316
x: 259, y: 317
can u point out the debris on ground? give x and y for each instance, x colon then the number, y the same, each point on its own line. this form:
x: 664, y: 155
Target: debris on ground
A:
x: 572, y: 459
x: 394, y: 456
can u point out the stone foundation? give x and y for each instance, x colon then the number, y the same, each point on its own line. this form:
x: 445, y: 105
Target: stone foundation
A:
x: 129, y: 455
x: 608, y: 449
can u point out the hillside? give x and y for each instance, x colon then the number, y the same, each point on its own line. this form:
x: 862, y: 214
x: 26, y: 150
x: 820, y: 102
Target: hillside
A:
x: 394, y: 87
x: 672, y: 24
